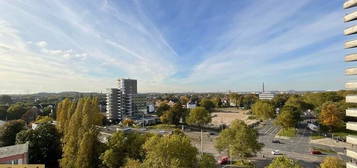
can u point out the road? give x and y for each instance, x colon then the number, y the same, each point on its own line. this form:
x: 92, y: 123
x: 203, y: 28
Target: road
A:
x: 297, y: 147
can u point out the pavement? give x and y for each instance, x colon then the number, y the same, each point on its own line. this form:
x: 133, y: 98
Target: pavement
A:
x: 297, y: 148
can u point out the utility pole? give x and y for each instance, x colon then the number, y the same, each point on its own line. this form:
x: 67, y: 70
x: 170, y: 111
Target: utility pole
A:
x: 201, y: 141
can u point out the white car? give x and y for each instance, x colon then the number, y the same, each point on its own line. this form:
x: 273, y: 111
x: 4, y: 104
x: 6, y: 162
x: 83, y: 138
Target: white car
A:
x: 275, y: 152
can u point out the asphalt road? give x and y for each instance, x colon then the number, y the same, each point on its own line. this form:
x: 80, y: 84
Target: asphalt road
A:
x: 297, y: 147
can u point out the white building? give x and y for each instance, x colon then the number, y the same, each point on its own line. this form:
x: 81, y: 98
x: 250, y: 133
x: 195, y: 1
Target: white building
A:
x: 124, y: 101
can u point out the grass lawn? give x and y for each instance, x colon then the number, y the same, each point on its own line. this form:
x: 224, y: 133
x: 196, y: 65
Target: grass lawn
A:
x: 344, y: 134
x: 324, y: 150
x: 289, y: 132
x: 316, y: 136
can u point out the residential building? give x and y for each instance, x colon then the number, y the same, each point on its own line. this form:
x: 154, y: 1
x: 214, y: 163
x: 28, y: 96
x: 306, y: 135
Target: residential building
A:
x: 351, y: 112
x: 14, y: 154
x: 124, y: 101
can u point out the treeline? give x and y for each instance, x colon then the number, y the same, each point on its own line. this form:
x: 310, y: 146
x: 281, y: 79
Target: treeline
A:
x: 327, y: 107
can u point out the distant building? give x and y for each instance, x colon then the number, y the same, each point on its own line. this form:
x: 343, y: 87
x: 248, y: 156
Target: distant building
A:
x: 266, y: 95
x: 191, y: 105
x: 14, y: 154
x: 124, y: 101
x: 351, y: 153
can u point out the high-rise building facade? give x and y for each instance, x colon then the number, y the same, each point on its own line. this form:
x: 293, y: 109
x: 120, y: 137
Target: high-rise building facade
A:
x: 351, y: 112
x: 124, y: 101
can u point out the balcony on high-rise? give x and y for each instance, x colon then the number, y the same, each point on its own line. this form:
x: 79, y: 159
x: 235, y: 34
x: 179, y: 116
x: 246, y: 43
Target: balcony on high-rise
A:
x: 349, y: 4
x: 351, y: 112
x: 351, y: 139
x: 351, y: 165
x: 351, y: 126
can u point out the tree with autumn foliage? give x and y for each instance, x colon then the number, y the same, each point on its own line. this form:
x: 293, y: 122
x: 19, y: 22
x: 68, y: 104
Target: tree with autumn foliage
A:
x: 76, y: 121
x: 331, y: 116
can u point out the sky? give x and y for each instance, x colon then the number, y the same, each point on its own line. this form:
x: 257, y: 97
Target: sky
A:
x: 172, y: 46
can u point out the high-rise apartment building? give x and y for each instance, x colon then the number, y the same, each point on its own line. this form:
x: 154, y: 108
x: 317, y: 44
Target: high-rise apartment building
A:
x: 351, y: 112
x: 124, y: 101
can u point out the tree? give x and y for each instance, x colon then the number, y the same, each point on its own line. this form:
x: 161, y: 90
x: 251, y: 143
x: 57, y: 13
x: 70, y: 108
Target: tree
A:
x: 298, y: 103
x: 162, y: 108
x: 86, y: 151
x: 248, y: 100
x: 288, y: 117
x: 174, y: 115
x: 235, y: 98
x: 123, y: 146
x: 263, y: 110
x: 207, y: 160
x: 43, y: 119
x: 80, y: 135
x: 331, y: 116
x: 207, y: 104
x: 30, y: 115
x: 172, y: 151
x: 239, y: 139
x: 283, y: 161
x: 128, y: 122
x: 131, y: 163
x: 47, y: 110
x: 44, y: 144
x: 9, y: 130
x: 279, y: 100
x: 217, y: 101
x: 5, y: 99
x: 199, y: 116
x: 332, y: 162
x: 184, y: 99
x: 3, y: 112
x: 15, y: 111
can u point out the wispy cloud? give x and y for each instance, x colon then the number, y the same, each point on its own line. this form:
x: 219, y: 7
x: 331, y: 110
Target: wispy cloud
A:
x: 177, y: 46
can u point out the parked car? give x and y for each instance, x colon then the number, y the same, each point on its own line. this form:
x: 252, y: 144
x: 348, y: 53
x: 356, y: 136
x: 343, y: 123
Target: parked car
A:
x: 275, y: 141
x: 315, y: 152
x: 223, y: 160
x: 275, y: 152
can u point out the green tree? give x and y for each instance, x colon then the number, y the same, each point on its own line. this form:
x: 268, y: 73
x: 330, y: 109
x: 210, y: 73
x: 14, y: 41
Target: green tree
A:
x: 207, y: 160
x: 207, y: 104
x: 47, y: 110
x: 263, y: 110
x: 5, y: 99
x: 217, y: 101
x: 288, y: 117
x: 282, y: 161
x: 86, y: 150
x: 131, y: 163
x: 184, y: 99
x: 331, y: 116
x: 239, y: 140
x: 3, y: 113
x: 44, y: 144
x: 123, y: 146
x: 172, y: 151
x: 80, y: 135
x: 279, y: 100
x: 9, y: 130
x: 332, y: 162
x: 162, y: 108
x: 43, y: 119
x: 173, y: 115
x: 248, y: 100
x: 15, y: 111
x: 235, y: 98
x: 199, y: 116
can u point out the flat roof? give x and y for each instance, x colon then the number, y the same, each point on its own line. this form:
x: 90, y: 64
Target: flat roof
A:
x: 13, y: 150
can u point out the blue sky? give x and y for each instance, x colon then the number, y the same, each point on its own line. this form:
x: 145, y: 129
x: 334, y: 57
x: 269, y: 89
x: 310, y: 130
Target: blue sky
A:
x: 171, y: 46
